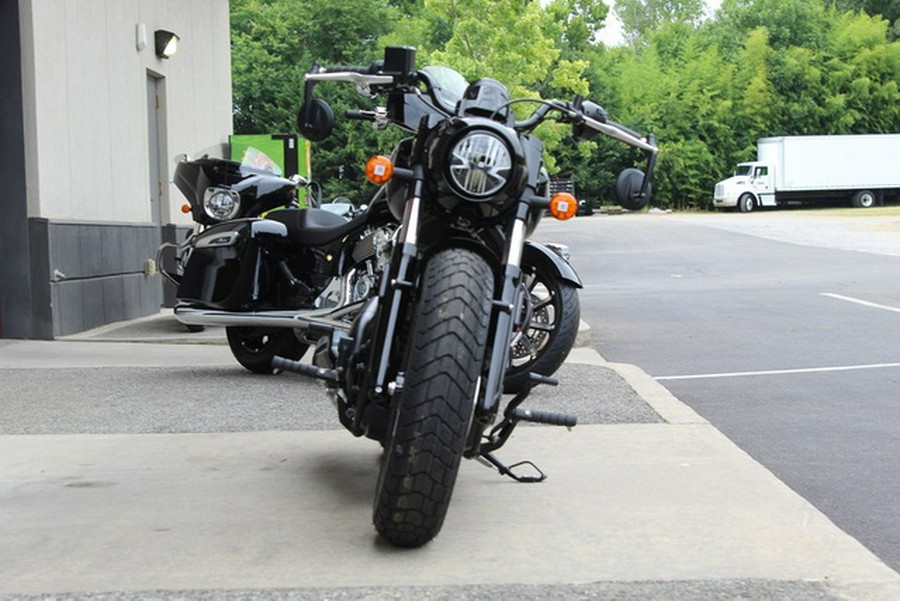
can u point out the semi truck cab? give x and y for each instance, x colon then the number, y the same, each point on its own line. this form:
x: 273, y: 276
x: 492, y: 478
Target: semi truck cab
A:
x: 751, y: 186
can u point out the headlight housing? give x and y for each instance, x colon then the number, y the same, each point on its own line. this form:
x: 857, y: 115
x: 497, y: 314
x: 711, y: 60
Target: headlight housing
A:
x: 477, y: 169
x: 479, y: 165
x: 221, y: 204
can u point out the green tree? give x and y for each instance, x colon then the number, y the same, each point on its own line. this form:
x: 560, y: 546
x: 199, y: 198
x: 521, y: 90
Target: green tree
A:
x: 757, y: 109
x: 708, y: 89
x: 475, y: 40
x: 642, y: 17
x: 577, y: 22
x: 682, y: 89
x: 865, y: 72
x: 686, y: 174
x: 886, y: 9
x: 267, y: 64
x: 274, y: 43
x: 789, y: 23
x: 760, y: 68
x: 480, y: 44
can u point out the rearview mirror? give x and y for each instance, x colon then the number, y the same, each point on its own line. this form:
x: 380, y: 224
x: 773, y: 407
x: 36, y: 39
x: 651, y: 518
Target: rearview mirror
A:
x: 628, y: 189
x: 315, y: 120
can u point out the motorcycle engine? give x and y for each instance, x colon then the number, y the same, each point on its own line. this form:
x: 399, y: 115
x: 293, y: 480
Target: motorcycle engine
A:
x: 372, y: 254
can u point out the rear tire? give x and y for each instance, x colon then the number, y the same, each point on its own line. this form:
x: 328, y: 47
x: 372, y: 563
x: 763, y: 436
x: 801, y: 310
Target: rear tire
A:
x: 430, y: 423
x: 254, y: 348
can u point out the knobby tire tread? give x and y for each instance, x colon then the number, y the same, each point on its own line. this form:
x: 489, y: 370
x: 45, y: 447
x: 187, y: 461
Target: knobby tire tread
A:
x: 443, y: 364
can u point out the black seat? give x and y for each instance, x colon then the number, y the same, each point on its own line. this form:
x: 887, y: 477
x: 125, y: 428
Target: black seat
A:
x: 314, y: 227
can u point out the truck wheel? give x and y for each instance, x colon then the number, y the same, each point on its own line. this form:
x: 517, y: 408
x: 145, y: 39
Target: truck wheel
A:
x: 864, y: 199
x: 746, y: 203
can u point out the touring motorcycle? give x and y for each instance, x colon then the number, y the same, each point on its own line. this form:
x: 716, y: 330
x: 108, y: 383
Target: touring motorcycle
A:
x: 422, y: 367
x: 224, y: 195
x: 274, y: 295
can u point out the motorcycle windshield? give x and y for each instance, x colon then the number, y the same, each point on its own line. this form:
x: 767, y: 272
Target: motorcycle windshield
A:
x: 250, y: 160
x: 447, y: 86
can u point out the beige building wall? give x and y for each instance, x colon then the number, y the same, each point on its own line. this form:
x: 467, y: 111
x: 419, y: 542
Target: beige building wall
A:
x: 94, y: 217
x: 86, y: 101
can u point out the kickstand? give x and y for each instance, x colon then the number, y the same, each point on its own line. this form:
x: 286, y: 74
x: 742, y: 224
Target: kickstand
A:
x: 490, y: 459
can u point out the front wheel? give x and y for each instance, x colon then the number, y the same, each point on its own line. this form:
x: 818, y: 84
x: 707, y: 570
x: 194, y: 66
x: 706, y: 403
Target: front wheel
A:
x: 254, y: 348
x: 746, y: 203
x: 430, y: 421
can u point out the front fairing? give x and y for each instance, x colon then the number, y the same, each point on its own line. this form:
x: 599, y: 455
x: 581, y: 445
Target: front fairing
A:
x: 256, y: 179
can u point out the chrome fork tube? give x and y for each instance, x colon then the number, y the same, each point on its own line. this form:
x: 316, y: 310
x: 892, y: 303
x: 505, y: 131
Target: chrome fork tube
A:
x: 505, y: 307
x: 516, y: 244
x: 394, y: 290
x: 411, y: 216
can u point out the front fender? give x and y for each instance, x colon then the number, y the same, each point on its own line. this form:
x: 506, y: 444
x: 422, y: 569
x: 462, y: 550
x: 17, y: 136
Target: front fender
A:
x: 535, y: 251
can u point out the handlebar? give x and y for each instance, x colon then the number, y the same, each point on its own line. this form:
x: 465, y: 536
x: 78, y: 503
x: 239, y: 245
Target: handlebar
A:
x: 357, y: 77
x: 364, y: 77
x: 623, y: 134
x: 370, y: 70
x: 576, y: 116
x: 379, y: 117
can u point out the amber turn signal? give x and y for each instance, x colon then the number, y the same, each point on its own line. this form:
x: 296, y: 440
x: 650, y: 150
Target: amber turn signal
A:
x: 379, y: 170
x: 185, y: 208
x: 563, y: 206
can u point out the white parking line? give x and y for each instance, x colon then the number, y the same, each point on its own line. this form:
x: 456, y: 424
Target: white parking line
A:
x: 808, y: 370
x: 850, y: 299
x: 778, y: 372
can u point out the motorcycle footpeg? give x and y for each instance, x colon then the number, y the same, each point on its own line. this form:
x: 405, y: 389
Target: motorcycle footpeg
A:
x: 536, y: 378
x: 543, y: 417
x: 321, y: 373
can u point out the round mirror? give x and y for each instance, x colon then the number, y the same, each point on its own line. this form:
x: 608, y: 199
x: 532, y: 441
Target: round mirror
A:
x: 315, y: 120
x: 628, y: 189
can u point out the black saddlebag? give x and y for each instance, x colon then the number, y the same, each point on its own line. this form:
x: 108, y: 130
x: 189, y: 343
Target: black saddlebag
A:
x: 226, y: 265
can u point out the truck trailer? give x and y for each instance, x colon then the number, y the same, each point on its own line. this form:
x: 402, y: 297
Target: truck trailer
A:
x: 861, y: 170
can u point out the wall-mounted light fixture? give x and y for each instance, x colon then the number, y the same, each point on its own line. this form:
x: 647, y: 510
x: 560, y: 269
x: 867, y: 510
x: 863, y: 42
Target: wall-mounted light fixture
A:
x: 166, y: 43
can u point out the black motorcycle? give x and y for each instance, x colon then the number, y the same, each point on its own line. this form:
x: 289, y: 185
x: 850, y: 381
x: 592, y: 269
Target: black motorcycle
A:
x: 220, y: 190
x: 321, y: 269
x: 422, y: 368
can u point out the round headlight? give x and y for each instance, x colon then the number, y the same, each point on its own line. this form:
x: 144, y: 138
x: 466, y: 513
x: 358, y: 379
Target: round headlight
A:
x: 480, y: 165
x: 221, y: 204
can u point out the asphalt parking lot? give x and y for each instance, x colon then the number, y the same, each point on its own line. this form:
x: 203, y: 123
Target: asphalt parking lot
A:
x: 139, y: 461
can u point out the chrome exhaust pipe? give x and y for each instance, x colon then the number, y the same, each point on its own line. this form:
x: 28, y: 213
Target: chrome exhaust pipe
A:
x: 335, y: 318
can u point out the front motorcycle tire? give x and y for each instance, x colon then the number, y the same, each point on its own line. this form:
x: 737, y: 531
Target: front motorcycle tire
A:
x: 429, y: 424
x: 549, y: 327
x: 254, y: 348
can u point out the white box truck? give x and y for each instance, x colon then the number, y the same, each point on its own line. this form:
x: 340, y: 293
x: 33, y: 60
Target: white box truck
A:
x: 861, y: 170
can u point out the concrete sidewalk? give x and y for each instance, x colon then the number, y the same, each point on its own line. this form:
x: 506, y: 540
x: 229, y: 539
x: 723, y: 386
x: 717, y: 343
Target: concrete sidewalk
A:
x: 666, y: 509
